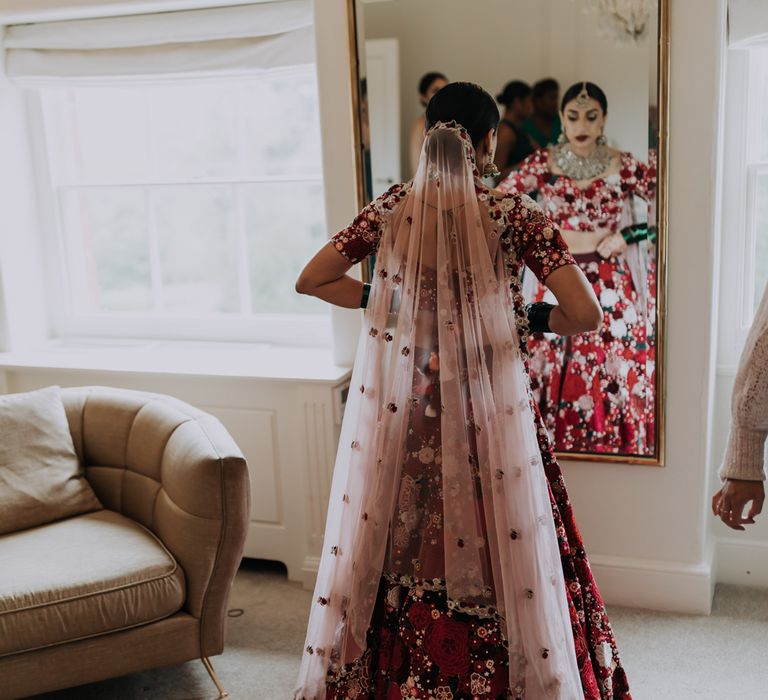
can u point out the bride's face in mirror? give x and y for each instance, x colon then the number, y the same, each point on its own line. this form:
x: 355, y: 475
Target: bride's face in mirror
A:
x: 583, y: 125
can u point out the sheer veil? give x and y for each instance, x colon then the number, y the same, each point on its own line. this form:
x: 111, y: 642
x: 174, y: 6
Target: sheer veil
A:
x: 441, y: 307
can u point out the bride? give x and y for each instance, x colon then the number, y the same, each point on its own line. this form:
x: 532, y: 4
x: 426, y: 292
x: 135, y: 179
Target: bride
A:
x: 452, y: 566
x: 595, y: 390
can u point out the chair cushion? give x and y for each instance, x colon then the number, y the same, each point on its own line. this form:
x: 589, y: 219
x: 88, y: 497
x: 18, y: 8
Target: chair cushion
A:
x: 85, y: 576
x: 40, y: 477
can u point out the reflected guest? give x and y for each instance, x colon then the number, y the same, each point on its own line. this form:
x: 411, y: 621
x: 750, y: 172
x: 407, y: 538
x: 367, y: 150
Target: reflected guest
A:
x: 543, y: 126
x: 429, y: 84
x: 513, y: 144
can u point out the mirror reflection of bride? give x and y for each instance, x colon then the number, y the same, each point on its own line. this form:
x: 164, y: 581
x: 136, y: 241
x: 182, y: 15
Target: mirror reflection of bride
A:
x: 596, y: 390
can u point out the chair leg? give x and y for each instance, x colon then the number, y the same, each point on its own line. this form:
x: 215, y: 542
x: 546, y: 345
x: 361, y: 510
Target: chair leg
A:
x: 209, y: 667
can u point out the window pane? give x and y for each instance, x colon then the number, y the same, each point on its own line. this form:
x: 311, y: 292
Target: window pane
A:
x: 285, y: 227
x: 164, y: 205
x: 108, y: 247
x: 192, y: 128
x: 109, y: 134
x: 282, y: 125
x: 761, y: 235
x: 197, y: 248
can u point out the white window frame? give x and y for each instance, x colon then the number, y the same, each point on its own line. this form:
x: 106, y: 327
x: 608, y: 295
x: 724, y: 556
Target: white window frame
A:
x: 279, y: 329
x: 740, y: 172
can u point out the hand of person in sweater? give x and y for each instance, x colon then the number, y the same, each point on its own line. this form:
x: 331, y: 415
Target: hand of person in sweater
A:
x: 729, y: 502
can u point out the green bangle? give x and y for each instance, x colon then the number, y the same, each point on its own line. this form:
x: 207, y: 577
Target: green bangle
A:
x: 635, y: 233
x: 366, y: 294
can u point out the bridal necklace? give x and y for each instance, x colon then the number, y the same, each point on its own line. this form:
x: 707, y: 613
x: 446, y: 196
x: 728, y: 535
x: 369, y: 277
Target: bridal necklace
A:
x: 582, y: 168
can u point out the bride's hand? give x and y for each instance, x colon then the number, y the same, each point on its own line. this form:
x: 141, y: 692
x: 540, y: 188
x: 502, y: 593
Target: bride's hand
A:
x: 612, y: 245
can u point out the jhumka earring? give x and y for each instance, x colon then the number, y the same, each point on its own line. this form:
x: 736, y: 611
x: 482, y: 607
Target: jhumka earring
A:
x: 601, y: 140
x: 562, y: 139
x: 490, y: 169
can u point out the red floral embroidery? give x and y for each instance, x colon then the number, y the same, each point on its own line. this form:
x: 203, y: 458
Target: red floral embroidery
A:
x: 524, y: 230
x: 361, y: 238
x: 419, y: 615
x: 598, y: 206
x: 447, y: 644
x: 594, y: 389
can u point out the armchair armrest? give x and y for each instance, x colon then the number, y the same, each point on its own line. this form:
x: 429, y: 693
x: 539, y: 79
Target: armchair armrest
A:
x: 176, y: 470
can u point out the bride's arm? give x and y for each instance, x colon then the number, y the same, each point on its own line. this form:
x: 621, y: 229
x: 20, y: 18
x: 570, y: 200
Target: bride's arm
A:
x: 538, y: 242
x: 577, y: 310
x: 325, y: 277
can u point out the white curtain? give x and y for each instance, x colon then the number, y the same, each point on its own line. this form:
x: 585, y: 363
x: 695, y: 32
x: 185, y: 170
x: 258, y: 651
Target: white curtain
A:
x: 194, y: 42
x: 747, y: 24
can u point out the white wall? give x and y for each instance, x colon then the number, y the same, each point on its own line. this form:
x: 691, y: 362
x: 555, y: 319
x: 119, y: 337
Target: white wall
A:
x: 657, y: 519
x: 23, y: 319
x: 515, y: 39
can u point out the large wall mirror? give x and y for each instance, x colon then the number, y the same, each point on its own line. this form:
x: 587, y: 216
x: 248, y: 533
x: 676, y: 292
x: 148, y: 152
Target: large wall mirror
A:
x: 601, y: 394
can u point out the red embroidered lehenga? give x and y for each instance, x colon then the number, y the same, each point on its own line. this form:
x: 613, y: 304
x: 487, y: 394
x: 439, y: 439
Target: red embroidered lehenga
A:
x: 595, y: 390
x: 452, y: 566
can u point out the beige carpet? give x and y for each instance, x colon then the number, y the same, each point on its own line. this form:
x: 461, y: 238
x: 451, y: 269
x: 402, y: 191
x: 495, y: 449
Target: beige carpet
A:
x: 667, y: 657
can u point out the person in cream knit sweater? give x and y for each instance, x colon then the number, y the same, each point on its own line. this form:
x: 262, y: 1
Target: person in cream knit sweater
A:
x: 743, y: 469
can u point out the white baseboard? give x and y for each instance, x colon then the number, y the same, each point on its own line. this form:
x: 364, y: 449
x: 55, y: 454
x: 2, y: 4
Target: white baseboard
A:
x: 741, y: 562
x: 309, y: 572
x: 632, y: 583
x: 655, y: 585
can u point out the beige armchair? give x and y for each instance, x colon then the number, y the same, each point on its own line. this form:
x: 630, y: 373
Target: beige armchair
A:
x: 143, y: 583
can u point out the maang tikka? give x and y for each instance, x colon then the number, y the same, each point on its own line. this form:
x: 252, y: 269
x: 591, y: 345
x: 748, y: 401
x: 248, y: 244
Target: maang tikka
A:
x: 582, y: 99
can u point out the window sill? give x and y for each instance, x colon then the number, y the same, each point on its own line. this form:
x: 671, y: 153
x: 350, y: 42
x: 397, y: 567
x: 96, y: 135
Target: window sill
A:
x: 241, y: 360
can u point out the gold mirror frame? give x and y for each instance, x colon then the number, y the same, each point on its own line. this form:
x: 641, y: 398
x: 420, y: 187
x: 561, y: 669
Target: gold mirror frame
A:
x: 662, y: 66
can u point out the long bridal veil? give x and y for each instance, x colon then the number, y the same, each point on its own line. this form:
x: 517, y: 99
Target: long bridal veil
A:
x: 440, y: 344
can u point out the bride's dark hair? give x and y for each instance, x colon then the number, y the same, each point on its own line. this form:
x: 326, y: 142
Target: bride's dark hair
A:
x: 467, y: 104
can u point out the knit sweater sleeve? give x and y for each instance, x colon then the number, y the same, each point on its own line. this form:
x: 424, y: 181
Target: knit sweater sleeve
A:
x: 749, y: 405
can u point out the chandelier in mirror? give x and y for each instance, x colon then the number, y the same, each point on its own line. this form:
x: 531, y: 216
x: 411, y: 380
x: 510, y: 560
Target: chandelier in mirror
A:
x: 624, y: 21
